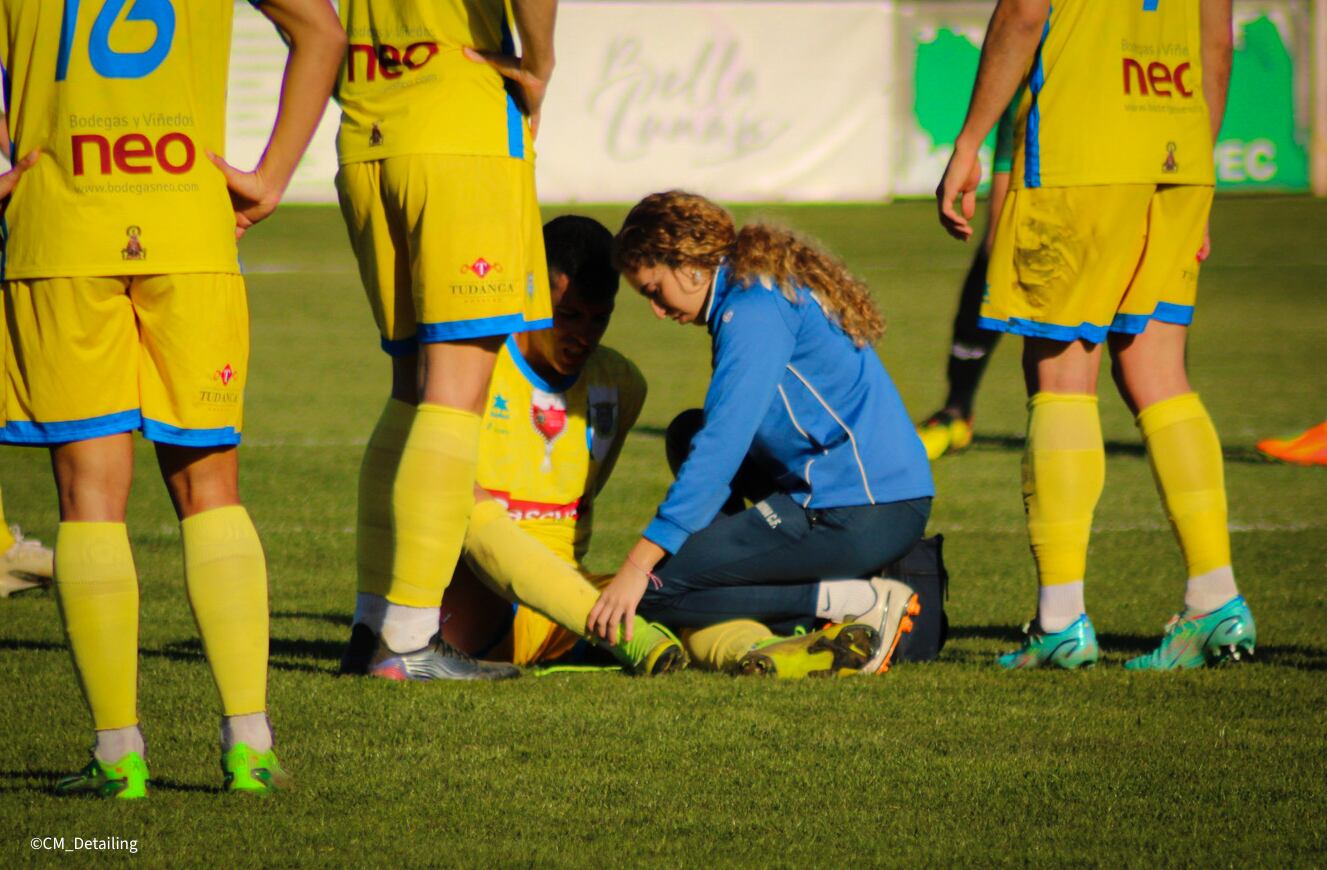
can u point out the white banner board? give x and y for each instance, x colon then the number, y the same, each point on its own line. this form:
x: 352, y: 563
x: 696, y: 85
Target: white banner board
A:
x: 742, y: 100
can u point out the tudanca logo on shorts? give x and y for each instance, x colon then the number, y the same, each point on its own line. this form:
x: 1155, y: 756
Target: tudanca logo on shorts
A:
x: 481, y: 267
x: 771, y: 518
x: 221, y: 395
x: 483, y: 288
x: 389, y: 61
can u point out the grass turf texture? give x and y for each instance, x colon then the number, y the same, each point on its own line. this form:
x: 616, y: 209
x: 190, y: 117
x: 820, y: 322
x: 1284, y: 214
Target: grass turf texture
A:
x: 943, y: 763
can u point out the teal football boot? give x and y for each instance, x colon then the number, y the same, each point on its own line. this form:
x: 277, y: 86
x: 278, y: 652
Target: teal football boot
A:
x: 1194, y: 640
x: 1074, y: 647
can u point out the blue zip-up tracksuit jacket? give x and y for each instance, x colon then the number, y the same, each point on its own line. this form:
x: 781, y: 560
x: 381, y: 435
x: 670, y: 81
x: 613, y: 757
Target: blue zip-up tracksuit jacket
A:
x: 791, y: 389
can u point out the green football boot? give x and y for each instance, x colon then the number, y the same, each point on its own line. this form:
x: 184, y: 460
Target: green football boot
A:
x: 1073, y: 647
x: 1194, y: 640
x: 124, y: 780
x: 652, y: 651
x: 838, y: 650
x: 255, y: 772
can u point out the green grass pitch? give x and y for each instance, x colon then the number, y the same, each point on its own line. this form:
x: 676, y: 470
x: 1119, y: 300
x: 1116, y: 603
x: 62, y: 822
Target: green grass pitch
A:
x: 953, y: 762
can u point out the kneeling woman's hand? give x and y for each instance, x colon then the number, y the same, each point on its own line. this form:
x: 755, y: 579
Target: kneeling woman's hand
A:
x: 617, y: 603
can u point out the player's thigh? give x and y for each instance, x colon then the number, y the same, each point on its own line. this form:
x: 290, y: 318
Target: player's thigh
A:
x: 1063, y: 259
x: 194, y: 357
x: 71, y: 360
x: 378, y: 238
x: 476, y: 251
x: 1165, y: 283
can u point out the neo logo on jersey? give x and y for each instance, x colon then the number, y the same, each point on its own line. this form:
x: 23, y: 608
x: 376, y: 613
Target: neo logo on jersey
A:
x: 389, y: 61
x: 1156, y: 79
x: 107, y: 61
x: 134, y: 153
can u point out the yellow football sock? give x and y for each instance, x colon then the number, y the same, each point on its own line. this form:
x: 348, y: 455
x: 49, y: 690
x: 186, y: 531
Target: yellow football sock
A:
x: 431, y: 501
x: 97, y: 589
x: 521, y: 568
x: 373, y: 533
x: 1064, y: 469
x: 1185, y: 453
x: 6, y: 539
x: 225, y: 574
x: 719, y: 647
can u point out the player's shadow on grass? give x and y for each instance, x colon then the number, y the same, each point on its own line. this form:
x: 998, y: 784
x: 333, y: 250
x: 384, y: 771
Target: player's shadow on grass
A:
x: 341, y: 619
x: 192, y: 651
x: 17, y: 780
x: 1232, y: 453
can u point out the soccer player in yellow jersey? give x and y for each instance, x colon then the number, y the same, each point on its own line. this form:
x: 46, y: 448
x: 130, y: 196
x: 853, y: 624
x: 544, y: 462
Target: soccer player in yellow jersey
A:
x: 557, y: 414
x: 126, y: 311
x: 1099, y: 243
x: 437, y: 190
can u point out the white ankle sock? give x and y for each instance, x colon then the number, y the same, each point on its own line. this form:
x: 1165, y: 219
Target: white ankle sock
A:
x: 405, y: 629
x: 841, y: 600
x: 370, y: 610
x: 114, y: 743
x: 1059, y: 606
x: 1208, y: 592
x: 251, y: 729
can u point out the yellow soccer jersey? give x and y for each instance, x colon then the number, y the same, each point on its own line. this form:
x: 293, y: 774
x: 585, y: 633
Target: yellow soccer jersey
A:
x: 1115, y: 96
x: 406, y: 88
x: 124, y: 100
x: 546, y: 449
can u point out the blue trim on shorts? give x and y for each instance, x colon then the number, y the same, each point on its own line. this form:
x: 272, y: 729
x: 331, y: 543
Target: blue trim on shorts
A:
x: 533, y: 376
x: 399, y: 347
x: 26, y: 433
x: 1125, y: 324
x: 480, y: 327
x: 1165, y: 312
x: 1032, y: 135
x: 515, y: 125
x: 484, y: 327
x: 164, y: 433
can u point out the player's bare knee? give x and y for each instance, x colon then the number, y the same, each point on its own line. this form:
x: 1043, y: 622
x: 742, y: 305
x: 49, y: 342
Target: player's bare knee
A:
x: 93, y: 477
x: 199, y: 479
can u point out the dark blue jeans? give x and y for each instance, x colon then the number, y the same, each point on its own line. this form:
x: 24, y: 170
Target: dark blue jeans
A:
x: 764, y: 562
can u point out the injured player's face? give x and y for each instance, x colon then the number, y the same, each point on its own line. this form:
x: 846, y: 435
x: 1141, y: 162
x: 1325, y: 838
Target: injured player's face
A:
x: 578, y: 327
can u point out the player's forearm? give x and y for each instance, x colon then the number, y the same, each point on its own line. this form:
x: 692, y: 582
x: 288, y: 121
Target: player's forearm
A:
x: 1011, y: 40
x: 999, y: 190
x: 534, y: 23
x: 1218, y: 46
x: 317, y: 48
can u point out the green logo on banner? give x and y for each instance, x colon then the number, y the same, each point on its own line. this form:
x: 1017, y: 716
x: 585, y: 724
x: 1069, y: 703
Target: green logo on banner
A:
x: 1258, y: 145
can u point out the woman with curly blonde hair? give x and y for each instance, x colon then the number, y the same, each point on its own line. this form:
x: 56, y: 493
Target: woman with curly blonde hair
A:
x: 798, y: 402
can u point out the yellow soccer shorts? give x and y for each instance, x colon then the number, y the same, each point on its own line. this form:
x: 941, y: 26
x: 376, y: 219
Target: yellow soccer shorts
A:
x: 1075, y: 263
x: 88, y: 357
x: 533, y: 638
x: 449, y: 247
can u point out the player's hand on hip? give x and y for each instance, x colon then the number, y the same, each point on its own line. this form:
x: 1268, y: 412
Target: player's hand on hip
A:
x: 617, y: 605
x: 9, y: 180
x: 1206, y: 250
x: 252, y: 195
x: 533, y: 87
x: 962, y: 176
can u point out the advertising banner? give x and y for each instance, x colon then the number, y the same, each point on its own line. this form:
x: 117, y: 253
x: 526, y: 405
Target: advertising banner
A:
x: 744, y: 100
